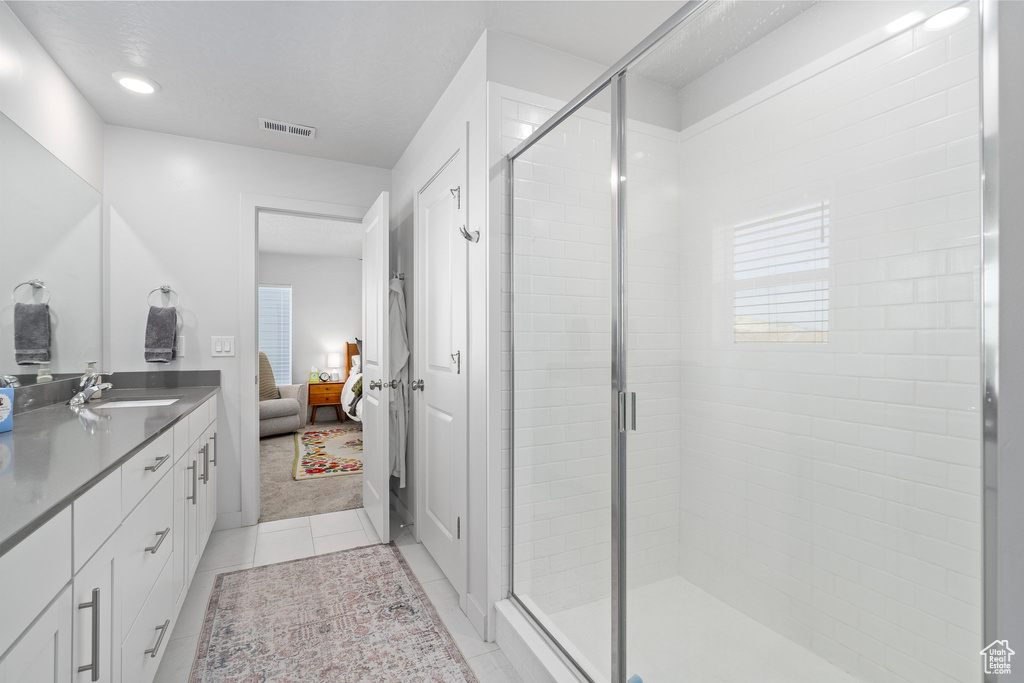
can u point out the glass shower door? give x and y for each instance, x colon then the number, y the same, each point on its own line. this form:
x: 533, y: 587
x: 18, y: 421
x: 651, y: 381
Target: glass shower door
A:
x: 561, y: 319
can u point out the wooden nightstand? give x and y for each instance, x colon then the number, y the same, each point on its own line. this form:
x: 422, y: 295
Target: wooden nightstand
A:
x: 325, y: 394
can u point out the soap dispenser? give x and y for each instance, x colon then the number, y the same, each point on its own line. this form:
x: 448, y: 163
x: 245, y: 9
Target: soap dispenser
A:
x: 43, y: 374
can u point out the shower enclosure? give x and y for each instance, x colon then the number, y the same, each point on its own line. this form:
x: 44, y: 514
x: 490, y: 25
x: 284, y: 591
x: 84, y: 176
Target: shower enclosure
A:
x: 746, y: 358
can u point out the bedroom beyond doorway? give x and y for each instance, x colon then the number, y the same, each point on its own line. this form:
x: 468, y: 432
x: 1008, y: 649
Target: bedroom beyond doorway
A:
x: 310, y: 317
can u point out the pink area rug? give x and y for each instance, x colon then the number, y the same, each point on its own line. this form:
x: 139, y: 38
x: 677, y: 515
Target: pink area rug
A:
x: 354, y: 615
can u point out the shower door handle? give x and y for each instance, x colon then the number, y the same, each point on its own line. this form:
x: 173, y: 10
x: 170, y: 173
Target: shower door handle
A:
x: 633, y: 394
x: 622, y: 411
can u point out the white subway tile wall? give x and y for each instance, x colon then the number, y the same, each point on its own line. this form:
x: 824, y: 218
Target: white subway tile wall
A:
x: 832, y: 491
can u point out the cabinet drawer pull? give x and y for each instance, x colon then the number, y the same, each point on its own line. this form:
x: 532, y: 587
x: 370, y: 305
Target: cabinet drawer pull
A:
x: 95, y: 607
x: 206, y: 462
x: 194, y: 482
x: 214, y: 440
x: 163, y: 631
x: 162, y: 535
x: 159, y: 461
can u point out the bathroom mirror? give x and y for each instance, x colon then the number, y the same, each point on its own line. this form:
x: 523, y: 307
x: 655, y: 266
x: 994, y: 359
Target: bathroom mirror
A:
x: 50, y: 230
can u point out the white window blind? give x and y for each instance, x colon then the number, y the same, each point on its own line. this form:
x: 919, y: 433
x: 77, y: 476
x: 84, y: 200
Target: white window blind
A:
x: 780, y: 265
x: 275, y: 304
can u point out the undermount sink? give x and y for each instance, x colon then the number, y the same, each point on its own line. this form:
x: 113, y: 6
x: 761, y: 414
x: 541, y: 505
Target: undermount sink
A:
x: 138, y: 403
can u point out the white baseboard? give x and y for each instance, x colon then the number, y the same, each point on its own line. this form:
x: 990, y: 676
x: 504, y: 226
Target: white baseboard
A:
x: 228, y: 520
x: 477, y: 616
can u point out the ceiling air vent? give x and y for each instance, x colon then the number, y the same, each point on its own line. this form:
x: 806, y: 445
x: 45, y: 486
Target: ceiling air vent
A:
x: 288, y: 128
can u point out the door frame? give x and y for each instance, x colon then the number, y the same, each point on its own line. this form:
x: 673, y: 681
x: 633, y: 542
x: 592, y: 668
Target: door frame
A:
x: 248, y: 328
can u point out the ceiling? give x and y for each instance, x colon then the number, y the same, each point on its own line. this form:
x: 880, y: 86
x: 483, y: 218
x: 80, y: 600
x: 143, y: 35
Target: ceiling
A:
x: 303, y: 235
x: 365, y: 74
x: 719, y: 32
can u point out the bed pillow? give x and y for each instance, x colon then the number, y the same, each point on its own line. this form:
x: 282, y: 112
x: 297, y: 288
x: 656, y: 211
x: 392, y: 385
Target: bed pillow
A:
x: 357, y: 364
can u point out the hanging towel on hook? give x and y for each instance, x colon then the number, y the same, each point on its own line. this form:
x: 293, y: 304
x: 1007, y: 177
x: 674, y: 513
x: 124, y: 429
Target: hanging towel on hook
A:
x: 398, y: 405
x: 162, y: 334
x: 31, y: 333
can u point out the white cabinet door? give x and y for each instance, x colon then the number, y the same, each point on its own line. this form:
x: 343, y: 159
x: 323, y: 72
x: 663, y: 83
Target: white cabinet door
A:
x: 211, y: 480
x: 193, y: 496
x: 376, y: 371
x: 43, y: 655
x: 95, y: 635
x: 179, y: 556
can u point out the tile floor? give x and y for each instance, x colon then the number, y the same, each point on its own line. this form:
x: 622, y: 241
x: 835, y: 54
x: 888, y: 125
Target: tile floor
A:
x: 291, y: 539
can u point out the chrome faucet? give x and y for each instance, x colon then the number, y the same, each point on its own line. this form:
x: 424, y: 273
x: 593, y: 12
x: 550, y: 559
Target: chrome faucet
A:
x: 83, y: 396
x: 88, y: 386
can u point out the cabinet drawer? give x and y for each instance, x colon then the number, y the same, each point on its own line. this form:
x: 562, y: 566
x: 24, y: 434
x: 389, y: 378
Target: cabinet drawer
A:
x: 325, y: 388
x: 137, y: 566
x: 198, y: 421
x: 145, y: 642
x: 144, y: 470
x: 32, y: 573
x: 97, y: 514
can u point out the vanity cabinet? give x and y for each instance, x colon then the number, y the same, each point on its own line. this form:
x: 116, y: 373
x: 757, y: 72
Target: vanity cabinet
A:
x: 93, y: 593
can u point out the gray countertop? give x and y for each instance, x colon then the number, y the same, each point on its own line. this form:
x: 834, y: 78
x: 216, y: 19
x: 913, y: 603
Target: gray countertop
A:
x: 54, y: 454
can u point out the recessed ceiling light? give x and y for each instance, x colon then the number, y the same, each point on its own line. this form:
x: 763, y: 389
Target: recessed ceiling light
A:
x: 904, y: 22
x: 135, y: 82
x: 946, y: 19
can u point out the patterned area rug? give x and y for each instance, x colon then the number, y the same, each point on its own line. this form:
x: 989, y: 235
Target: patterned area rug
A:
x: 328, y: 452
x: 354, y: 615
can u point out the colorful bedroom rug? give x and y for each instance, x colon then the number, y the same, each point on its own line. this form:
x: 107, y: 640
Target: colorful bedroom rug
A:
x: 328, y: 452
x: 354, y: 615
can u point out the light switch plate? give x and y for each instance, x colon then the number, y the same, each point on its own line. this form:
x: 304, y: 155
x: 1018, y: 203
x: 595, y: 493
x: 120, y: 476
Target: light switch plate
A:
x: 222, y: 346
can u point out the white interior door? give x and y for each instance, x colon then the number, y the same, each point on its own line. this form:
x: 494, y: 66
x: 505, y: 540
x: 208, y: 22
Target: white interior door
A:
x: 441, y: 429
x: 376, y: 468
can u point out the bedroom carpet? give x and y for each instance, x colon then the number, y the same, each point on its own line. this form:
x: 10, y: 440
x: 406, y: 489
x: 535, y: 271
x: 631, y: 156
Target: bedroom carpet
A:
x: 353, y: 615
x: 281, y: 497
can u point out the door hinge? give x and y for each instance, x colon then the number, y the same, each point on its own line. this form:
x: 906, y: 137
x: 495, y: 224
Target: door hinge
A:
x: 458, y: 527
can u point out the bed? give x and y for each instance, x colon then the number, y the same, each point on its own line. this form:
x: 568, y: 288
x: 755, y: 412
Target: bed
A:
x: 353, y: 379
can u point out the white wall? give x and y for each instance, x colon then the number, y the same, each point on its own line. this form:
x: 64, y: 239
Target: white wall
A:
x: 36, y: 95
x: 327, y: 306
x: 172, y: 216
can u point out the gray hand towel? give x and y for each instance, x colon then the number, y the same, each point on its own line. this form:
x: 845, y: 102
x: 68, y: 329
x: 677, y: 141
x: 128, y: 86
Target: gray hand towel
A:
x: 31, y: 333
x: 161, y: 335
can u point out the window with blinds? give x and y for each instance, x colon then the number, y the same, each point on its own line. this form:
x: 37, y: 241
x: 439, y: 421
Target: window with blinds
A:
x: 780, y: 273
x: 275, y: 304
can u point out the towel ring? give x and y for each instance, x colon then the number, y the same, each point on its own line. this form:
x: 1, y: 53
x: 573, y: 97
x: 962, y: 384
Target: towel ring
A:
x: 166, y: 289
x: 35, y: 284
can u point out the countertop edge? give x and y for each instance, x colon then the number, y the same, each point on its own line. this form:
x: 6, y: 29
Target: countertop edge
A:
x: 24, y: 532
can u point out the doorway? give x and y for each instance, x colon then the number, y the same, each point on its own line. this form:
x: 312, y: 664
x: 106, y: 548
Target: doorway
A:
x: 309, y: 280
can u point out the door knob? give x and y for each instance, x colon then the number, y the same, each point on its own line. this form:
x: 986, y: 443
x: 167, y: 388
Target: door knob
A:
x: 417, y: 384
x: 376, y: 385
